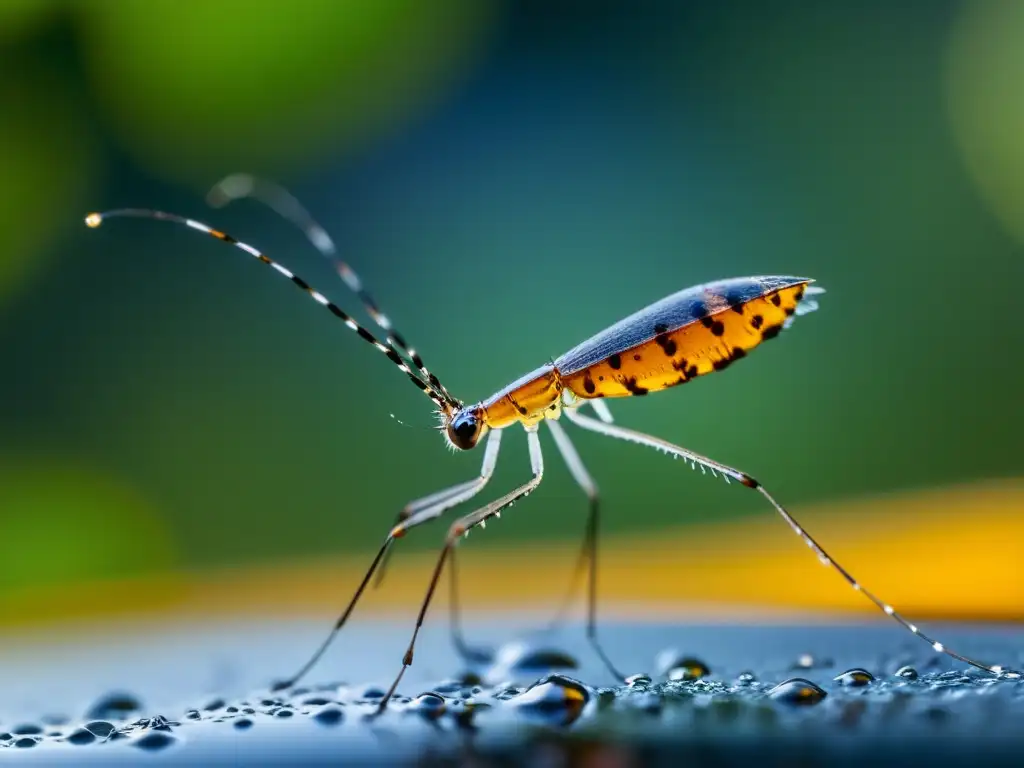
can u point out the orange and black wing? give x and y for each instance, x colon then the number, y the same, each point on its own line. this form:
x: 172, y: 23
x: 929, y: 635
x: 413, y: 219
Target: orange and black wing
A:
x: 695, y: 331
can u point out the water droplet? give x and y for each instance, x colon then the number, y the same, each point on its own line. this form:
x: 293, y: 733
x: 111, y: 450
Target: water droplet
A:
x: 101, y: 728
x: 521, y: 662
x: 82, y: 736
x: 284, y: 713
x: 6, y: 736
x: 214, y: 705
x: 854, y: 678
x: 907, y: 672
x: 677, y: 666
x: 316, y: 701
x: 554, y: 700
x: 746, y: 678
x: 243, y: 723
x: 27, y: 729
x: 638, y: 681
x: 373, y: 693
x: 193, y: 714
x: 154, y: 740
x: 329, y: 716
x: 449, y: 686
x: 429, y: 705
x: 114, y: 706
x: 797, y: 691
x: 25, y: 742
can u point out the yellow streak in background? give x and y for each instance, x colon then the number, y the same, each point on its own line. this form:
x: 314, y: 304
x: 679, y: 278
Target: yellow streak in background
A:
x: 949, y: 554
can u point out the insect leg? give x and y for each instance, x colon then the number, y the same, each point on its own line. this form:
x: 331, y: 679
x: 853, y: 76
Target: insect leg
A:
x: 588, y: 551
x: 601, y: 409
x: 460, y: 528
x: 447, y: 498
x: 746, y: 480
x: 414, y: 506
x: 423, y: 515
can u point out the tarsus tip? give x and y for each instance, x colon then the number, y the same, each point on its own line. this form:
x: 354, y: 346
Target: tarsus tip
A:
x: 93, y: 220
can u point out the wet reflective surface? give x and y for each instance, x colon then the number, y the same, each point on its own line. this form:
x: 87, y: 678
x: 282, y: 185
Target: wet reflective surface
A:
x: 817, y: 695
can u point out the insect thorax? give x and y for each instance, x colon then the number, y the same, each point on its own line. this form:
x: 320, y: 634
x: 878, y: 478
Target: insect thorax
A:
x: 528, y: 401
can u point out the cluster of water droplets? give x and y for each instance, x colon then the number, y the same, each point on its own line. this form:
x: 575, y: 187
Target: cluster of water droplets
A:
x: 538, y: 685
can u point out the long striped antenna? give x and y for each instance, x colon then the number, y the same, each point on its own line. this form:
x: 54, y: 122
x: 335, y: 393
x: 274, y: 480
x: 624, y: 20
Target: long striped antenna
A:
x: 287, y: 206
x: 438, y: 394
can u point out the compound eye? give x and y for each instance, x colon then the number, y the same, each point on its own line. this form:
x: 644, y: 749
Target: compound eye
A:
x: 464, y: 429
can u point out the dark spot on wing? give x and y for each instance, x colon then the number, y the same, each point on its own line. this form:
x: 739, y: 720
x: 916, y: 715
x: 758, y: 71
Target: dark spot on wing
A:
x: 660, y: 328
x: 588, y: 385
x: 770, y: 332
x: 717, y: 327
x: 667, y: 344
x: 756, y: 322
x: 776, y: 299
x: 689, y: 371
x: 790, y: 311
x: 736, y: 303
x: 725, y: 362
x: 633, y: 387
x: 799, y: 293
x: 615, y: 362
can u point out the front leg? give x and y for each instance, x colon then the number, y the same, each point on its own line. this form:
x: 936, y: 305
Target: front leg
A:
x: 435, y: 505
x: 460, y: 528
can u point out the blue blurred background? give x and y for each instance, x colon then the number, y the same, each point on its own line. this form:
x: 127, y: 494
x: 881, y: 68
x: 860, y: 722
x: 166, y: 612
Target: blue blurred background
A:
x: 508, y: 178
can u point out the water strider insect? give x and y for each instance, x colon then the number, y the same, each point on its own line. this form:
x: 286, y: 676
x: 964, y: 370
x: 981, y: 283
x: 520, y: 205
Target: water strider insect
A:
x: 696, y: 331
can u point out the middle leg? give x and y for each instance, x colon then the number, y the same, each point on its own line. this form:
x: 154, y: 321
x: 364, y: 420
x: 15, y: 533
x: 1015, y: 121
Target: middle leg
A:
x: 587, y: 557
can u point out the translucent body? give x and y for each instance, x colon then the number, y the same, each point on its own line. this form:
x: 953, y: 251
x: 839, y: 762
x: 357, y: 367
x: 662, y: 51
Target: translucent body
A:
x: 688, y: 334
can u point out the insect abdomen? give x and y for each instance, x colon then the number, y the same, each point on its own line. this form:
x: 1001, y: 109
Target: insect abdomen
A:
x: 709, y: 344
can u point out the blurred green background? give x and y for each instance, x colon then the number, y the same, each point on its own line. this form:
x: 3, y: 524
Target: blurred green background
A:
x: 508, y: 178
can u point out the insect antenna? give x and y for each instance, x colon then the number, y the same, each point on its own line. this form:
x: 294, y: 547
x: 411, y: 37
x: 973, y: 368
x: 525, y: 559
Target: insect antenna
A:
x: 438, y: 394
x: 287, y: 206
